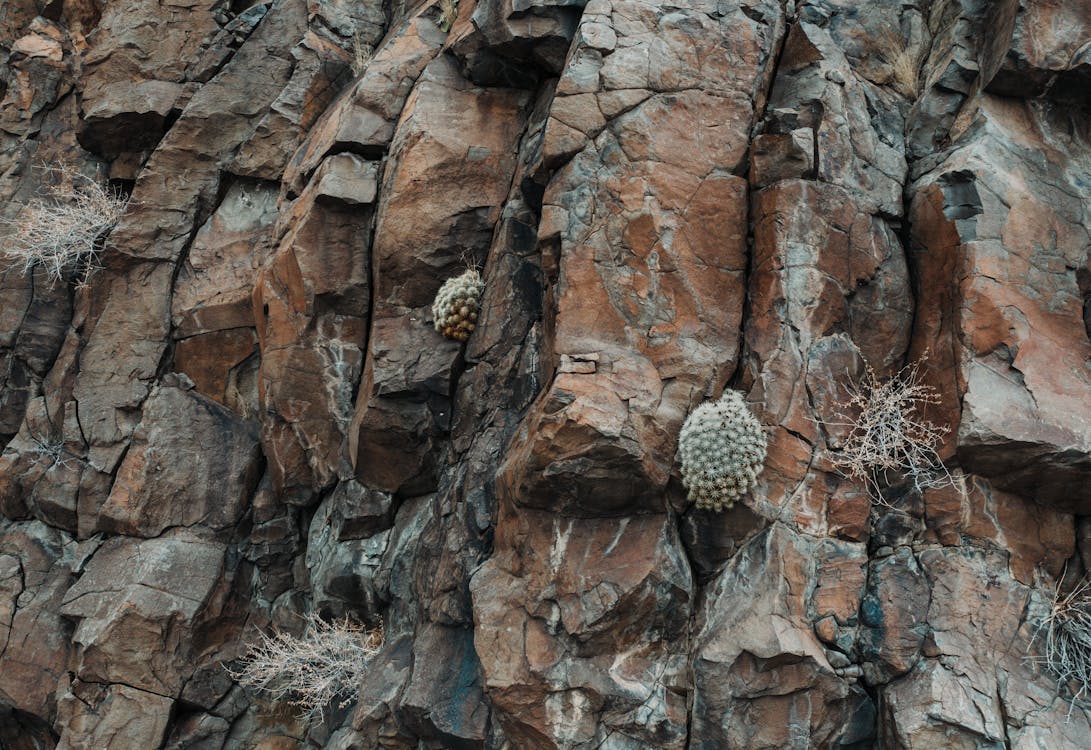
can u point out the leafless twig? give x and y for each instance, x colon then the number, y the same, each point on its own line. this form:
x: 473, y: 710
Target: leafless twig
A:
x: 55, y: 450
x: 448, y: 12
x: 63, y: 229
x: 326, y: 664
x: 889, y: 434
x: 1067, y: 644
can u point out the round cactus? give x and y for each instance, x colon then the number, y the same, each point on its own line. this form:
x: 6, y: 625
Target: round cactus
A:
x: 722, y: 447
x: 455, y: 308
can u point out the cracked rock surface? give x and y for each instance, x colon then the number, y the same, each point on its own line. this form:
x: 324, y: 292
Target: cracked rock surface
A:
x: 246, y: 416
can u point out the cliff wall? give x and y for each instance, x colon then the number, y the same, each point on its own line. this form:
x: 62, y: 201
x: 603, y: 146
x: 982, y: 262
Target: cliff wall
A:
x: 246, y: 414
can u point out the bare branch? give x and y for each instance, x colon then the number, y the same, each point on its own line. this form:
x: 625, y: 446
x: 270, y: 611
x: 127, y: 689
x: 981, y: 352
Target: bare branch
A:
x: 1067, y: 643
x: 889, y: 434
x: 314, y: 671
x: 64, y: 229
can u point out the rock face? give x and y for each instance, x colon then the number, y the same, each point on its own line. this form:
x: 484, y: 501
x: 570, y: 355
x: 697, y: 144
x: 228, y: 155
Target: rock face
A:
x: 246, y: 415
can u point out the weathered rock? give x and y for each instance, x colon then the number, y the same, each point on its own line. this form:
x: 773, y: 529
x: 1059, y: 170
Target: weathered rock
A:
x: 311, y: 304
x: 664, y: 200
x: 514, y: 42
x: 342, y: 560
x: 122, y: 116
x: 212, y: 486
x: 36, y: 568
x: 213, y: 289
x: 1034, y: 537
x: 983, y: 690
x: 111, y: 717
x: 567, y: 661
x: 438, y: 211
x: 1047, y: 50
x: 640, y: 244
x: 363, y: 118
x: 998, y: 268
x: 443, y: 699
x: 756, y: 685
x: 35, y: 80
x: 892, y: 614
x: 143, y: 596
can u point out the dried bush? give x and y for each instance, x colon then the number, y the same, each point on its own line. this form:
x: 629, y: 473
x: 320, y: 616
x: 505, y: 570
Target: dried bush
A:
x: 362, y: 53
x: 63, y: 230
x: 313, y: 671
x: 1067, y: 643
x: 53, y: 449
x: 889, y: 435
x: 904, y: 76
x: 448, y: 12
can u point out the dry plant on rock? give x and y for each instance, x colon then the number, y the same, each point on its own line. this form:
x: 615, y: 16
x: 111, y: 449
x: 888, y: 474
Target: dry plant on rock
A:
x: 448, y: 12
x: 63, y: 230
x: 54, y: 450
x: 362, y: 53
x: 311, y: 672
x: 889, y: 436
x: 904, y: 68
x: 1067, y: 643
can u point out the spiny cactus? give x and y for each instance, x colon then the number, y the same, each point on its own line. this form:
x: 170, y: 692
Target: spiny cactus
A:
x: 455, y: 308
x: 722, y: 447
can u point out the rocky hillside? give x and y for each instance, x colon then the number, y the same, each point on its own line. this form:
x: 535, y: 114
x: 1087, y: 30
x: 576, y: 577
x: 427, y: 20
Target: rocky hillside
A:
x: 246, y: 415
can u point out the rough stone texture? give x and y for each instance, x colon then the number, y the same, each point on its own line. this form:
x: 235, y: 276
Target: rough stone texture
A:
x: 1010, y: 355
x: 246, y: 416
x: 210, y: 485
x: 451, y: 166
x: 643, y: 246
x: 756, y: 656
x: 600, y: 609
x: 143, y: 597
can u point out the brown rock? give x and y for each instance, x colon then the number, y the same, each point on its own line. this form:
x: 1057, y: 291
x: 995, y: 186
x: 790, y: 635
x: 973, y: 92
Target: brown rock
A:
x: 932, y: 707
x: 311, y: 302
x: 1047, y: 49
x: 639, y: 184
x: 403, y: 404
x: 111, y: 717
x: 37, y: 80
x: 36, y: 567
x: 595, y: 607
x: 892, y: 616
x: 754, y: 685
x: 143, y: 596
x: 122, y: 116
x: 638, y: 228
x: 785, y: 156
x: 213, y: 289
x: 155, y: 491
x: 1017, y: 350
x: 365, y: 114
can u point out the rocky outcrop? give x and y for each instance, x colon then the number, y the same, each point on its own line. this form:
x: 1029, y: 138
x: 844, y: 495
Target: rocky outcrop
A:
x: 247, y: 416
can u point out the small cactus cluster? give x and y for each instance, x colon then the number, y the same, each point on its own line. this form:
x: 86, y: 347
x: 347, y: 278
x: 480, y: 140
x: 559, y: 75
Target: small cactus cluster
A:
x: 455, y: 308
x: 722, y: 447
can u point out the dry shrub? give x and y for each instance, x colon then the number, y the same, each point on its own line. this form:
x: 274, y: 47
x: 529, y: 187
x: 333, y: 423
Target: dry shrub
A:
x: 362, y: 53
x: 889, y: 436
x: 313, y: 671
x: 448, y: 12
x: 53, y: 449
x: 904, y: 68
x: 63, y: 230
x: 1067, y: 644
